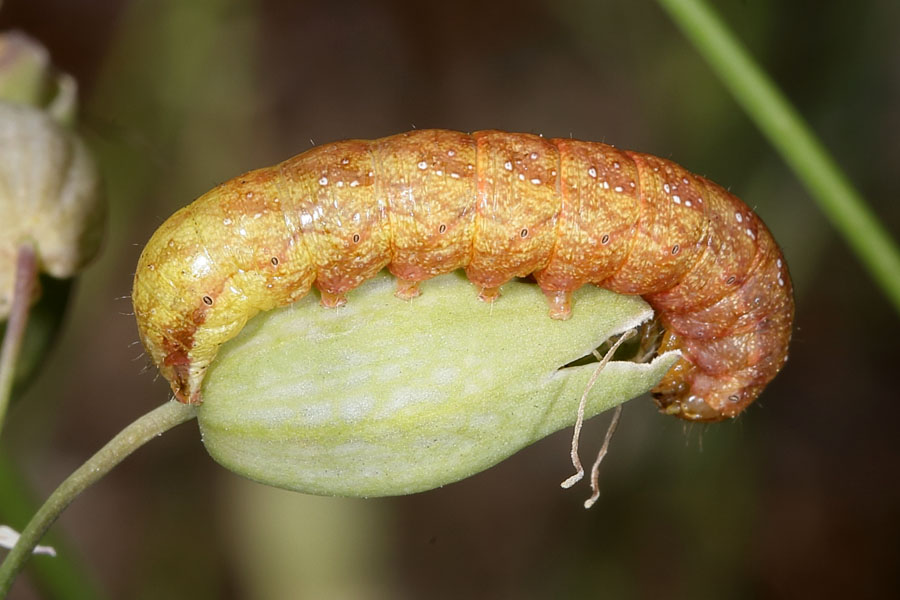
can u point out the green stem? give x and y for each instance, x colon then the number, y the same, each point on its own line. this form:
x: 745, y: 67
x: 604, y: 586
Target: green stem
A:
x: 26, y: 277
x: 790, y: 135
x: 147, y: 427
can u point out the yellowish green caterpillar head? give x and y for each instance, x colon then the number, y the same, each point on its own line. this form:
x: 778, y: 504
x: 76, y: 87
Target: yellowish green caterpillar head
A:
x: 185, y: 304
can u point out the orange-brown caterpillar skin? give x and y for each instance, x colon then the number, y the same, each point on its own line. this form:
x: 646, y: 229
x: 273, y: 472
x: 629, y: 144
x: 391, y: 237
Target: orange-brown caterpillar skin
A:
x: 499, y: 205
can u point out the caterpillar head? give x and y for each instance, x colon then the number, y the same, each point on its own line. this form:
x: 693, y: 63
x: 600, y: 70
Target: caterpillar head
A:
x: 185, y: 305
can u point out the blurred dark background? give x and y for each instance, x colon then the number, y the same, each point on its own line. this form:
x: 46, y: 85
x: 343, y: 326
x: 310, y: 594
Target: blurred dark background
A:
x: 798, y: 498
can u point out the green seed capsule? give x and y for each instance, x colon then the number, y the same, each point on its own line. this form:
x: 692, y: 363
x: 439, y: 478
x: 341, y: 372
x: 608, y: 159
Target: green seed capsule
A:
x: 385, y: 397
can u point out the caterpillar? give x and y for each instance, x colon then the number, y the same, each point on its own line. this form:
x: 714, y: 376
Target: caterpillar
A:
x: 499, y: 205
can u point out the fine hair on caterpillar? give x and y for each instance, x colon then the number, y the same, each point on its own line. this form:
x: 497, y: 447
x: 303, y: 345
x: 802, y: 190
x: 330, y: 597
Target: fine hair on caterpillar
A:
x: 499, y: 205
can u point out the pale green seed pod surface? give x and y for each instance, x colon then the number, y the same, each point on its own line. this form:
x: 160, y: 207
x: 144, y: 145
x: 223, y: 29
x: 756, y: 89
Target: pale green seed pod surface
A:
x: 384, y: 397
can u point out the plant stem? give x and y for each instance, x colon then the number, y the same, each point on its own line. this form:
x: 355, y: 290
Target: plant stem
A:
x: 26, y: 278
x: 790, y: 135
x: 154, y: 423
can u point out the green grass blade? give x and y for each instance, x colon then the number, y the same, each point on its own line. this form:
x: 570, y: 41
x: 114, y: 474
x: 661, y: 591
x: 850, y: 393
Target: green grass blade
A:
x: 792, y: 137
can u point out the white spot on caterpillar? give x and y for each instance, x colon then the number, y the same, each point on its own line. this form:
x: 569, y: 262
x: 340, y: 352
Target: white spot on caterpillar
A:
x: 423, y: 165
x: 305, y: 220
x: 751, y: 234
x: 780, y: 281
x: 439, y: 173
x: 470, y: 166
x: 619, y: 189
x: 605, y: 185
x: 454, y: 175
x: 536, y: 181
x: 592, y: 172
x: 345, y: 161
x: 534, y: 155
x: 340, y: 184
x: 616, y: 164
x: 687, y: 203
x: 521, y: 176
x: 354, y: 183
x: 684, y: 180
x: 507, y: 165
x: 553, y: 172
x: 739, y: 217
x: 666, y: 188
x: 676, y: 199
x: 631, y: 183
x: 226, y: 221
x: 778, y: 263
x: 451, y: 152
x: 323, y: 181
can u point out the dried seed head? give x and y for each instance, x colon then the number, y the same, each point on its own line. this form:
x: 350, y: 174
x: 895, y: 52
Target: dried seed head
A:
x: 28, y: 77
x: 49, y: 196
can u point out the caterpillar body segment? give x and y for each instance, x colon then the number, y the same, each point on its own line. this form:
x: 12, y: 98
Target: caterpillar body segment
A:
x: 499, y: 205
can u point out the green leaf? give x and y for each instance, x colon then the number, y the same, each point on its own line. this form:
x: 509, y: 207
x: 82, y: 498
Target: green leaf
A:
x: 385, y: 397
